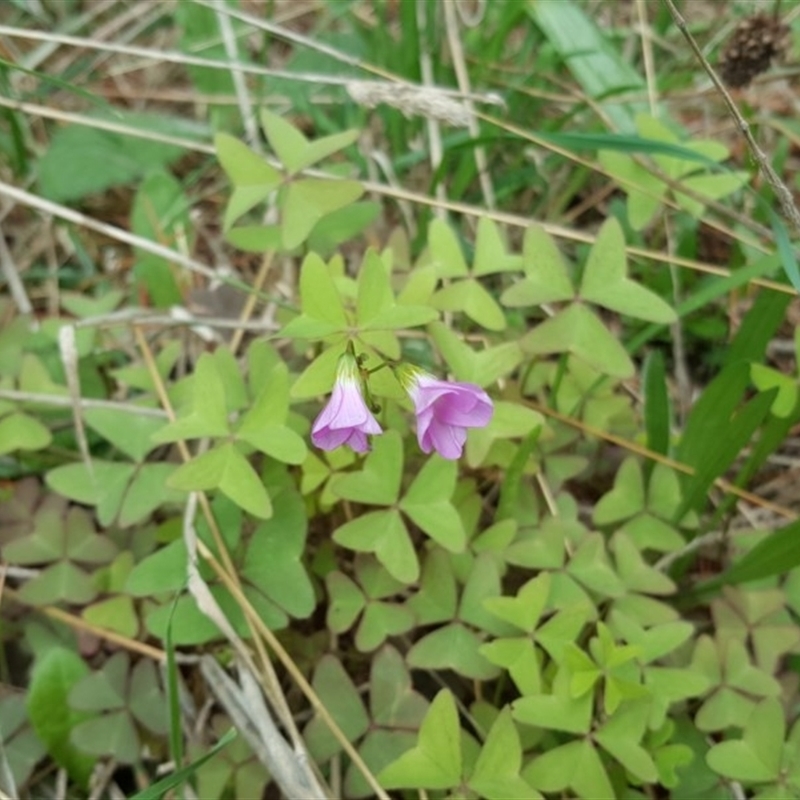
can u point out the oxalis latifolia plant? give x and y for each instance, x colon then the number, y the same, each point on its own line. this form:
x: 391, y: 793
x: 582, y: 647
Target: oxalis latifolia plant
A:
x: 475, y: 595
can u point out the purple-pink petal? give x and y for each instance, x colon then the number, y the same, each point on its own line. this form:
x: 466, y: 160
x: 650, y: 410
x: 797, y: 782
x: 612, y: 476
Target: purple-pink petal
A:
x: 330, y: 438
x: 358, y: 440
x: 446, y: 440
x: 345, y: 419
x: 444, y: 410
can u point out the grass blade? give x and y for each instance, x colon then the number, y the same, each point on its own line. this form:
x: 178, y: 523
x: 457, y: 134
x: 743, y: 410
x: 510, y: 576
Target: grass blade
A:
x: 785, y: 250
x: 160, y: 788
x: 173, y: 697
x: 718, y: 439
x: 657, y: 413
x: 775, y: 555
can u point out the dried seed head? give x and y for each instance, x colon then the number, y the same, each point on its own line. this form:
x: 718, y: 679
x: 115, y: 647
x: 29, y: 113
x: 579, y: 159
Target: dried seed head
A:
x: 411, y: 100
x: 754, y: 43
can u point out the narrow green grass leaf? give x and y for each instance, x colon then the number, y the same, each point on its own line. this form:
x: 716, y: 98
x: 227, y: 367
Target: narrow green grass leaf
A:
x: 770, y: 438
x: 709, y: 423
x: 717, y: 287
x: 710, y: 416
x: 157, y: 790
x: 67, y: 86
x: 657, y: 413
x: 630, y: 144
x: 723, y: 440
x: 785, y: 250
x: 759, y: 326
x: 775, y: 555
x: 173, y: 697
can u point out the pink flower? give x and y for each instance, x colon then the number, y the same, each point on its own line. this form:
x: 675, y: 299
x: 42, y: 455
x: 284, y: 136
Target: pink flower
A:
x: 445, y: 409
x: 346, y: 419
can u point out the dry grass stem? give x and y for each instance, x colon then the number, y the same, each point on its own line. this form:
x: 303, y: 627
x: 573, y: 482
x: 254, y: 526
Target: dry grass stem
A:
x: 61, y: 401
x: 238, y: 77
x: 462, y: 76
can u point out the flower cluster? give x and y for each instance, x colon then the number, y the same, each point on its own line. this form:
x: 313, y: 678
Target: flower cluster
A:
x: 444, y: 411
